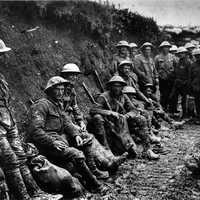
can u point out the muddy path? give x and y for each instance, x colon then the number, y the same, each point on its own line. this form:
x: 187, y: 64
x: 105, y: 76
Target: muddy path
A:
x: 166, y: 179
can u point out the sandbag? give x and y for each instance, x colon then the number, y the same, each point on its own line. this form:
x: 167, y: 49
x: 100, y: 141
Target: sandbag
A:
x: 55, y: 179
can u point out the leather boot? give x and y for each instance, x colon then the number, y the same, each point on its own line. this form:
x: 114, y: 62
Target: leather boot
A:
x: 92, y: 165
x: 16, y: 184
x: 117, y: 161
x: 151, y: 155
x: 92, y: 184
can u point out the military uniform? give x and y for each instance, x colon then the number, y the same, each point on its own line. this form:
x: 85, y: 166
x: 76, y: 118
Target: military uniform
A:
x: 49, y: 123
x: 147, y: 71
x: 165, y: 65
x: 117, y: 59
x: 13, y: 158
x: 181, y: 82
x: 195, y: 84
x: 103, y: 157
x: 134, y: 122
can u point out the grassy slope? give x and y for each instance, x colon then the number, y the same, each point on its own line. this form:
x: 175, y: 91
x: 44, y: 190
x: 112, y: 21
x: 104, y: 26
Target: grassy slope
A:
x: 79, y: 32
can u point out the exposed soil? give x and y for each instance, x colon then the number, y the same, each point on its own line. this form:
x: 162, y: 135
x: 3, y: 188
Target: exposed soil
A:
x: 166, y: 179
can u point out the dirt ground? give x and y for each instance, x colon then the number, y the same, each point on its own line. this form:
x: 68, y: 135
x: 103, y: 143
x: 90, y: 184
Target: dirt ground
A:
x: 166, y: 179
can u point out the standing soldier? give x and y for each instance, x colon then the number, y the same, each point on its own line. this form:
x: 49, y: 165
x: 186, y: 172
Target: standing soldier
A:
x: 195, y: 81
x: 49, y: 124
x: 117, y: 113
x: 181, y: 82
x: 13, y: 158
x: 165, y: 63
x: 122, y: 54
x: 145, y: 65
x: 190, y: 47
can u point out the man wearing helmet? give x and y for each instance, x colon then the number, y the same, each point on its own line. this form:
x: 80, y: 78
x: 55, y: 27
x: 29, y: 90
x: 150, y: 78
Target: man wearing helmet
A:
x: 106, y: 160
x: 195, y: 81
x: 13, y: 158
x: 145, y: 65
x: 181, y: 80
x: 116, y: 109
x: 50, y: 130
x: 165, y: 63
x: 122, y: 54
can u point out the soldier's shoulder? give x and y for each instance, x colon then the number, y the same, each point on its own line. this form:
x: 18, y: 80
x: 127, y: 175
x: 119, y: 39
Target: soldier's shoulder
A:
x: 43, y: 102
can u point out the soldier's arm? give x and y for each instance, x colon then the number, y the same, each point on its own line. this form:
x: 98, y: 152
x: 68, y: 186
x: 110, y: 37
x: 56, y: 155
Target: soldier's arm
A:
x: 37, y: 124
x: 101, y: 107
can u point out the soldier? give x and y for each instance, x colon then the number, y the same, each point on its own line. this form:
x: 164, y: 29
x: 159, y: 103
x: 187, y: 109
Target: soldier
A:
x: 122, y: 54
x: 190, y: 47
x: 157, y: 109
x: 110, y: 162
x: 131, y: 79
x: 49, y: 124
x: 145, y: 65
x: 165, y: 63
x: 13, y: 158
x: 116, y: 109
x: 195, y: 81
x: 181, y: 80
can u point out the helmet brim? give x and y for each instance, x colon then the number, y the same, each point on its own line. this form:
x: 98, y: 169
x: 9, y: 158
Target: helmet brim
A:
x: 6, y: 49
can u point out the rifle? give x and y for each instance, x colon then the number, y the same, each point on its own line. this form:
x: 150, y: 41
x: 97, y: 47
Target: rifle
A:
x: 99, y: 80
x: 88, y: 93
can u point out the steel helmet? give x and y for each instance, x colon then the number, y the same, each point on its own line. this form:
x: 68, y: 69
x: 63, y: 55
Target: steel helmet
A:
x: 122, y: 43
x: 189, y: 45
x: 149, y: 85
x: 165, y: 44
x: 196, y: 52
x: 133, y: 45
x: 173, y: 48
x: 116, y: 79
x: 55, y: 80
x: 71, y: 68
x: 146, y: 44
x: 129, y: 90
x: 182, y: 50
x: 125, y: 62
x: 3, y: 47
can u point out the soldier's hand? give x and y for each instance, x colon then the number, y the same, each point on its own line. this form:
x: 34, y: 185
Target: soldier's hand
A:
x: 79, y: 141
x: 59, y: 145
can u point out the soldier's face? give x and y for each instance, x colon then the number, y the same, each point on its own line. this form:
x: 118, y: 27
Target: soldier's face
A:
x: 126, y: 70
x: 181, y: 55
x: 131, y: 96
x: 147, y: 51
x: 197, y: 57
x: 58, y: 92
x: 165, y: 50
x: 116, y: 89
x: 2, y: 56
x: 124, y: 50
x: 134, y: 51
x: 72, y: 77
x: 148, y: 92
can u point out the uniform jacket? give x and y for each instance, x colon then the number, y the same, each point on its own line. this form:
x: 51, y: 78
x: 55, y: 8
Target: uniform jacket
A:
x: 147, y: 70
x: 165, y: 66
x: 121, y: 105
x: 48, y: 121
x: 195, y: 77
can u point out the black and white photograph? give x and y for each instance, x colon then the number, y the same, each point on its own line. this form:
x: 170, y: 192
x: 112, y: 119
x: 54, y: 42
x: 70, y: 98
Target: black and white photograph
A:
x: 99, y: 100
